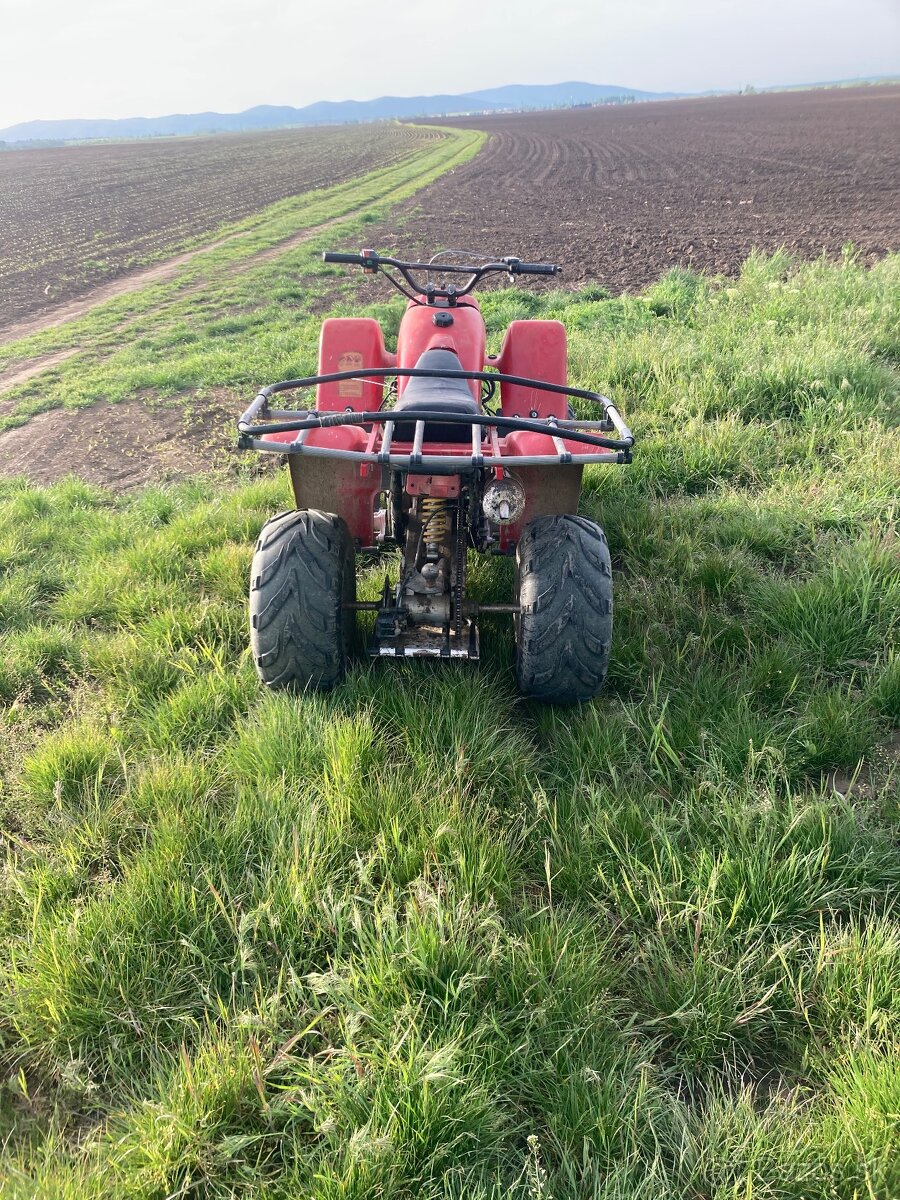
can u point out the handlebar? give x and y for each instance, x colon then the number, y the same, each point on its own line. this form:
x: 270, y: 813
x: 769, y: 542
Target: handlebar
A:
x: 336, y: 256
x: 371, y: 262
x: 522, y: 268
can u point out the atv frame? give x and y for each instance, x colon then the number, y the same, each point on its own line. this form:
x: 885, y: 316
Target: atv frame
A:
x: 428, y: 467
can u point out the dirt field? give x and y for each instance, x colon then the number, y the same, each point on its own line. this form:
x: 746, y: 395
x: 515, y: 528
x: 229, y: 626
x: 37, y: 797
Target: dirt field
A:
x: 619, y: 195
x: 123, y: 446
x: 75, y: 216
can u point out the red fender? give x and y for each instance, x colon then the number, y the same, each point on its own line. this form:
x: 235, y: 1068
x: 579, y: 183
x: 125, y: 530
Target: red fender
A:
x: 537, y: 350
x: 349, y: 344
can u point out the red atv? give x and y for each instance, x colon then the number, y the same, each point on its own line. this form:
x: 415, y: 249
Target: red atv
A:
x: 412, y: 449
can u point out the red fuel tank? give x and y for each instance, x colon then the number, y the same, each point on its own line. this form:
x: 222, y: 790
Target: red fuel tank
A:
x: 427, y: 327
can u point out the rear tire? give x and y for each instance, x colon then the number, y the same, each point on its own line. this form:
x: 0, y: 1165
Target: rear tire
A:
x: 303, y: 573
x: 564, y: 627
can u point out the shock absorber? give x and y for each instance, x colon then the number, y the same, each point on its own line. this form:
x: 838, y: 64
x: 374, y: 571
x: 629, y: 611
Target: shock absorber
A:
x: 435, y: 522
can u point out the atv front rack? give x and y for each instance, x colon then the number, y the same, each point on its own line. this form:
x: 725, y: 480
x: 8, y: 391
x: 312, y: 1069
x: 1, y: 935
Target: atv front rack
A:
x: 486, y: 447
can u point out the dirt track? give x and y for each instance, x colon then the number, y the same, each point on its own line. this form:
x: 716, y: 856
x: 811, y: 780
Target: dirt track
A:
x: 122, y: 286
x: 126, y: 286
x: 617, y: 195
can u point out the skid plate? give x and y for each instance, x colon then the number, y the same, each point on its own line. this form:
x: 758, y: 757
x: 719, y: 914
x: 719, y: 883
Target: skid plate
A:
x: 428, y: 641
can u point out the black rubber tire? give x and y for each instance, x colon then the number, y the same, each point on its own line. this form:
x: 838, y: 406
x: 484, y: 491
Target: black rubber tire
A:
x: 564, y: 628
x: 303, y: 572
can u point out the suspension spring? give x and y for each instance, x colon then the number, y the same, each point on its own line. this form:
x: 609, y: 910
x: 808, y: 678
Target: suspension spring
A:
x: 435, y: 521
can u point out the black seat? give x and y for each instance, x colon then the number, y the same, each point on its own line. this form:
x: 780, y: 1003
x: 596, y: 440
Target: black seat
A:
x: 425, y: 393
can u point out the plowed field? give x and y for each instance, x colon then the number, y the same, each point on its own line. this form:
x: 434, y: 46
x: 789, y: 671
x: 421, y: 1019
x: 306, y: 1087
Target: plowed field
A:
x: 75, y: 216
x: 618, y: 195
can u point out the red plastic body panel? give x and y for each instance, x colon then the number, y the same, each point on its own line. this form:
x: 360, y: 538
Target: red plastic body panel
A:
x: 537, y: 350
x: 446, y: 486
x: 348, y: 344
x: 337, y: 486
x: 466, y: 337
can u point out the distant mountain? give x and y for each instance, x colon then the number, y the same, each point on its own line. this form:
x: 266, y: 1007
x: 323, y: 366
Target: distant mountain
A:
x: 557, y: 95
x: 328, y: 112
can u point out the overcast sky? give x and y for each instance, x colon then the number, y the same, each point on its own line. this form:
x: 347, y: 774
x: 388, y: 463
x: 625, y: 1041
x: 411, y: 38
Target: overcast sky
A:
x: 122, y: 58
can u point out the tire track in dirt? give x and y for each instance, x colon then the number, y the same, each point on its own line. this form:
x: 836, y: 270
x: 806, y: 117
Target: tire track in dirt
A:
x: 123, y: 286
x: 18, y: 375
x: 22, y: 374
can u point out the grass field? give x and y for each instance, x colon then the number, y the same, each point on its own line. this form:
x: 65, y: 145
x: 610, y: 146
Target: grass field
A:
x: 419, y: 938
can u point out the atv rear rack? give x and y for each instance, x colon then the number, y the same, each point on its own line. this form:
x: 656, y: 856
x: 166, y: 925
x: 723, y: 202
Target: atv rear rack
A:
x: 487, y: 447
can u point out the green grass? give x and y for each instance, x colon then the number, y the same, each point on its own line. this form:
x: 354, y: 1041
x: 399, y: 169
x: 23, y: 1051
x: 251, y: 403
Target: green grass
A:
x: 419, y: 938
